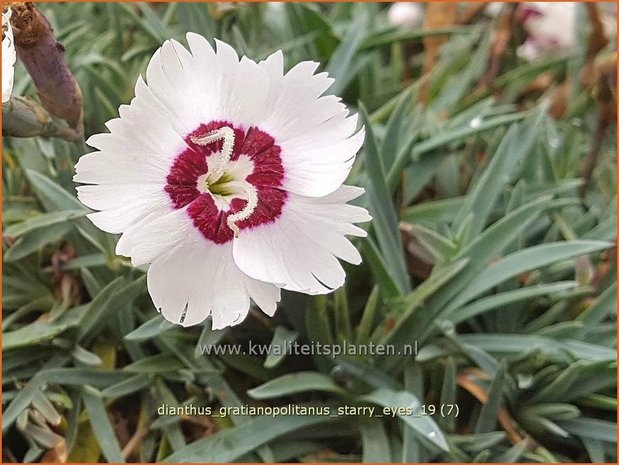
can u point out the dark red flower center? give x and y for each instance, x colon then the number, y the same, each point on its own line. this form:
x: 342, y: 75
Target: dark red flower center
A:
x: 221, y: 194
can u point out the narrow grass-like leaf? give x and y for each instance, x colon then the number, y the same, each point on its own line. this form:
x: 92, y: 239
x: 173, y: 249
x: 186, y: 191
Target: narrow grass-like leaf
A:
x: 453, y: 91
x: 591, y: 428
x: 160, y: 363
x: 99, y: 306
x: 51, y: 195
x: 370, y: 375
x: 304, y: 18
x: 42, y: 436
x: 153, y: 327
x: 526, y: 343
x: 577, y: 380
x: 375, y: 442
x: 35, y: 240
x: 605, y: 231
x: 40, y: 331
x: 43, y: 405
x: 504, y: 299
x: 514, y: 453
x: 282, y: 338
x: 394, y: 127
x: 118, y: 292
x: 66, y: 376
x: 452, y: 135
x: 422, y: 424
x: 294, y: 383
x: 516, y: 145
x: 433, y: 211
x: 85, y: 357
x: 524, y: 260
x: 441, y: 247
x: 604, y: 306
x: 595, y: 450
x: 372, y: 256
x: 389, y: 36
x: 490, y: 410
x: 403, y: 331
x: 231, y: 443
x: 208, y: 338
x: 553, y: 411
x: 127, y: 386
x: 382, y: 210
x: 448, y: 392
x: 110, y: 448
x: 340, y: 66
x: 369, y: 314
x: 42, y: 221
x: 85, y: 261
x: 342, y: 315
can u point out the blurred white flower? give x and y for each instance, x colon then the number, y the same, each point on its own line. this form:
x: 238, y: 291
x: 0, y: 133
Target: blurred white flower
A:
x: 551, y: 28
x: 8, y: 56
x: 494, y: 9
x: 225, y: 175
x: 405, y: 14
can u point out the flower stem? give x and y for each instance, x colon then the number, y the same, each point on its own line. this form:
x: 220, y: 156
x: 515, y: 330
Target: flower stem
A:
x: 43, y: 58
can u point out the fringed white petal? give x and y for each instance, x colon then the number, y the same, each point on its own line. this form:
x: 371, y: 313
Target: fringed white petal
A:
x: 9, y: 56
x: 195, y: 280
x: 315, y: 133
x: 299, y: 251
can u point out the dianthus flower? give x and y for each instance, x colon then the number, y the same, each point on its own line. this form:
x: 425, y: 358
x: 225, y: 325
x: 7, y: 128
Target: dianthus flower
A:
x: 225, y: 176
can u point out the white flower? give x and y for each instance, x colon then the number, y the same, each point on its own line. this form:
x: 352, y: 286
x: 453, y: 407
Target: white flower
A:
x: 226, y: 176
x: 8, y: 56
x: 494, y: 9
x: 551, y: 28
x: 405, y: 14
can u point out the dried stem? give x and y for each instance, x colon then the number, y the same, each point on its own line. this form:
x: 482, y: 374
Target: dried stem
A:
x: 438, y: 15
x: 43, y: 57
x: 500, y: 41
x: 471, y: 12
x: 603, y: 76
x: 135, y: 441
x: 590, y: 162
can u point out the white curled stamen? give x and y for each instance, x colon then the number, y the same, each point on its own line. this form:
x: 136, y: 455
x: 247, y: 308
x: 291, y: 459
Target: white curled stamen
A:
x: 252, y: 203
x: 226, y: 134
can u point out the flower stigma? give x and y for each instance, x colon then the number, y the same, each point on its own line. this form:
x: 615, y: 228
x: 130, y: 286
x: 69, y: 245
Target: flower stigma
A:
x: 226, y: 134
x: 221, y: 183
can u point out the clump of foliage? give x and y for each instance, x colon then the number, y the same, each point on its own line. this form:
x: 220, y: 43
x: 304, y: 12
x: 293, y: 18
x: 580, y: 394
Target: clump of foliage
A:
x: 488, y: 250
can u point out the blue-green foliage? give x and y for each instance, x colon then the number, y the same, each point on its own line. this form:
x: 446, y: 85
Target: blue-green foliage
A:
x: 478, y: 253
